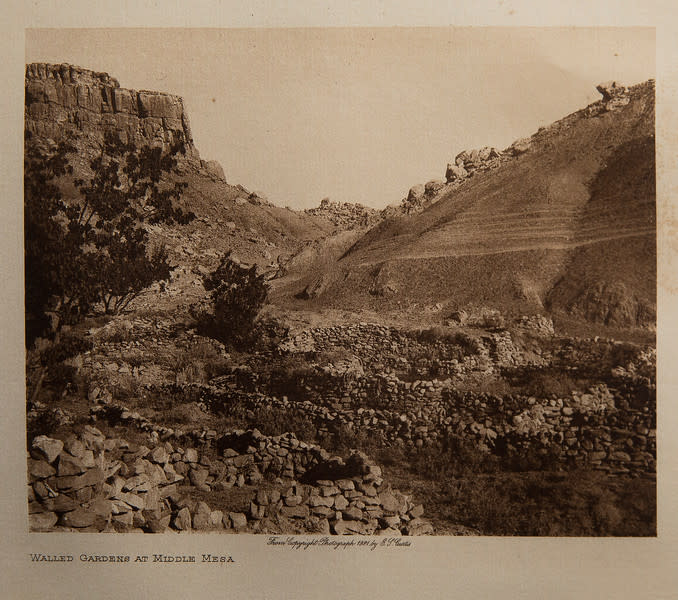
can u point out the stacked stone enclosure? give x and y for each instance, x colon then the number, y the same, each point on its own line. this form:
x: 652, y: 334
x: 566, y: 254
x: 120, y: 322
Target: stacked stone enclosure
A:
x: 407, y: 390
x: 95, y: 483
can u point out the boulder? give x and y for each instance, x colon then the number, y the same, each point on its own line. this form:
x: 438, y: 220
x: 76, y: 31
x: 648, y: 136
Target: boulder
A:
x: 418, y: 527
x: 69, y: 465
x: 434, y: 186
x: 182, y: 521
x: 342, y: 527
x: 488, y: 153
x: 610, y: 89
x: 46, y: 448
x: 238, y: 520
x: 159, y: 456
x: 74, y: 447
x: 340, y: 503
x: 42, y: 521
x: 202, y: 517
x: 80, y: 517
x: 300, y: 511
x: 60, y: 504
x: 102, y: 507
x: 416, y: 193
x: 352, y: 513
x: 519, y: 146
x: 216, y: 519
x: 76, y: 482
x: 213, y: 167
x: 191, y: 455
x: 462, y: 158
x: 455, y: 173
x: 40, y: 469
x: 198, y: 477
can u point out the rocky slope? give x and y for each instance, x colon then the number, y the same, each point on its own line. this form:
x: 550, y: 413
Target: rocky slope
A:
x: 65, y: 102
x: 563, y: 221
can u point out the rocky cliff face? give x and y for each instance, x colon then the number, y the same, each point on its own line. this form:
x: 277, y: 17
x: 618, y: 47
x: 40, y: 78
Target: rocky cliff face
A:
x: 64, y: 101
x: 69, y: 103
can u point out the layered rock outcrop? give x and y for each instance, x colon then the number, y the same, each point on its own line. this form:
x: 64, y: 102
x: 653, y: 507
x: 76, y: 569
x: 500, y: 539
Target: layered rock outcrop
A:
x: 68, y: 102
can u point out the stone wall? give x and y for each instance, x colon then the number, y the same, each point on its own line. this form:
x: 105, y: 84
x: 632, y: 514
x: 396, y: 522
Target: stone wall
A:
x: 94, y: 483
x: 606, y: 428
x: 394, y: 389
x: 587, y: 429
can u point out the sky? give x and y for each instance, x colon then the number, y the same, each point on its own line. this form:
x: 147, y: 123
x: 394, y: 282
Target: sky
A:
x: 356, y: 115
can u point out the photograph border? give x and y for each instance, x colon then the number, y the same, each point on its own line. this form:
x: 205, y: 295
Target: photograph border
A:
x: 432, y: 566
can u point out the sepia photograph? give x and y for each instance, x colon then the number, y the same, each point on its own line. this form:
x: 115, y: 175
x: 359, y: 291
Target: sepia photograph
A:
x: 342, y: 282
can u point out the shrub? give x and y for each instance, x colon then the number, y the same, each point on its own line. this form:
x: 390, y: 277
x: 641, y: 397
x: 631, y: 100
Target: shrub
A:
x: 119, y: 332
x: 43, y: 422
x: 288, y: 376
x: 276, y: 421
x: 200, y: 363
x: 184, y: 414
x: 456, y: 457
x: 468, y: 343
x: 237, y: 294
x: 343, y: 439
x: 544, y: 382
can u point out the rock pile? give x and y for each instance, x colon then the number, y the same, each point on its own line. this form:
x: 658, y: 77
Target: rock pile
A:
x: 345, y: 215
x: 418, y: 198
x: 94, y: 483
x: 538, y: 323
x: 614, y: 95
x: 467, y: 162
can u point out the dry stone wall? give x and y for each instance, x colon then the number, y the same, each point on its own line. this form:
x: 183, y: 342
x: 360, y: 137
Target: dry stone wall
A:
x: 587, y: 430
x: 95, y: 483
x: 602, y: 428
x: 372, y: 389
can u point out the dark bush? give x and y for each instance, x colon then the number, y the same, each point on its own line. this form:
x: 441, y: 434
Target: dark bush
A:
x: 237, y: 294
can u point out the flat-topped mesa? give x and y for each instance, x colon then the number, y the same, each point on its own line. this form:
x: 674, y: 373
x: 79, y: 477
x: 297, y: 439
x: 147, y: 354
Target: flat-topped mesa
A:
x: 63, y: 101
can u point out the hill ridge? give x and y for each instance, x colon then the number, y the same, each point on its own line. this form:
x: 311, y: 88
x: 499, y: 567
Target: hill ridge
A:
x: 583, y: 186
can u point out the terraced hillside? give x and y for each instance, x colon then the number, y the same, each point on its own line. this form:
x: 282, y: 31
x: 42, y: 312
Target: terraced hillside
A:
x: 565, y: 223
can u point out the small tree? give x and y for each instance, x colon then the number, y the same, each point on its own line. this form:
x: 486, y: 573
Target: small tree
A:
x: 237, y: 294
x: 55, y: 266
x: 94, y: 248
x: 124, y: 193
